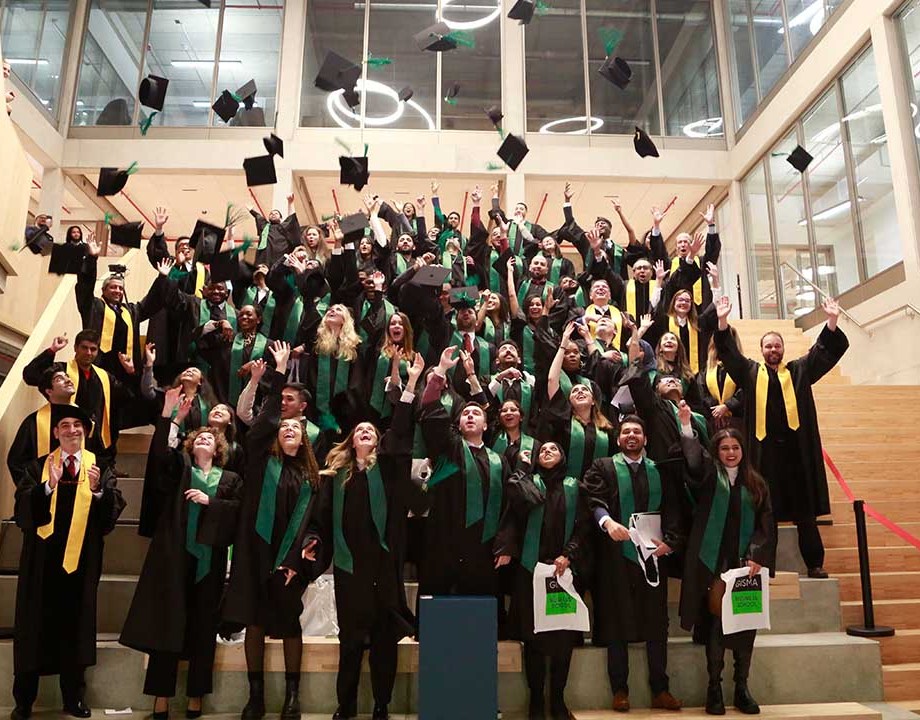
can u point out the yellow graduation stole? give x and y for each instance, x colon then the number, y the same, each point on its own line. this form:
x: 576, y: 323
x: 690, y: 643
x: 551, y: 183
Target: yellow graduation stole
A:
x: 81, y: 507
x: 792, y: 408
x: 592, y: 314
x: 199, y: 282
x: 108, y: 329
x: 712, y: 384
x: 694, y: 350
x: 73, y: 372
x: 631, y: 295
x: 43, y: 430
x: 697, y: 286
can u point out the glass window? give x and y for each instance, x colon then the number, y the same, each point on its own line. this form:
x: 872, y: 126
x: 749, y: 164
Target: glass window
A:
x: 622, y: 28
x: 760, y: 247
x: 34, y: 33
x: 331, y: 25
x: 555, y: 70
x: 689, y: 72
x: 110, y: 66
x: 743, y: 77
x: 791, y: 227
x: 805, y: 19
x: 909, y: 22
x: 477, y: 69
x: 392, y: 27
x: 250, y: 49
x: 769, y: 42
x: 872, y: 170
x: 829, y: 194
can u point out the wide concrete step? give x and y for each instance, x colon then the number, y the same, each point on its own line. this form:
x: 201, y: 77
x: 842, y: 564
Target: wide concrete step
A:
x: 890, y: 585
x: 846, y: 560
x: 878, y: 467
x: 844, y: 534
x: 899, y: 614
x: 132, y: 490
x: 902, y: 682
x: 902, y: 647
x: 839, y: 668
x: 824, y: 711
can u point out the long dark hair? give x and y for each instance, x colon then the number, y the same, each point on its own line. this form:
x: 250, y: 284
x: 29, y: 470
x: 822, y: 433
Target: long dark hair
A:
x: 304, y: 460
x: 749, y: 477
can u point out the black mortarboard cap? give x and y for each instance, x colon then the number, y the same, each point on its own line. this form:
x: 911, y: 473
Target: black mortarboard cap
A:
x: 513, y: 150
x: 61, y: 411
x: 406, y: 93
x: 206, y: 240
x: 464, y: 297
x: 353, y: 171
x: 495, y: 114
x: 66, y: 258
x: 40, y: 243
x: 152, y: 92
x: 643, y: 144
x: 435, y: 38
x: 274, y: 145
x: 337, y: 73
x: 522, y: 10
x: 453, y: 90
x: 431, y: 276
x: 247, y: 91
x: 225, y: 266
x: 353, y: 224
x: 118, y: 269
x: 127, y: 235
x: 111, y: 181
x: 352, y: 98
x: 799, y: 158
x: 617, y: 71
x: 260, y: 170
x: 226, y: 106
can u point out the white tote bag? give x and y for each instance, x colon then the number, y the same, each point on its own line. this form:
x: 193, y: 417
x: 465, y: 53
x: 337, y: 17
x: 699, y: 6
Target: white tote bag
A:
x: 556, y: 605
x: 746, y: 602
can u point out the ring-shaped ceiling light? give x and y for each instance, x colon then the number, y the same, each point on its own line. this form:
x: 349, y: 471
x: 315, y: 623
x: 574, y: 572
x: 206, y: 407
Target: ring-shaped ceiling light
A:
x: 710, y: 127
x: 470, y: 24
x: 339, y: 110
x: 596, y: 124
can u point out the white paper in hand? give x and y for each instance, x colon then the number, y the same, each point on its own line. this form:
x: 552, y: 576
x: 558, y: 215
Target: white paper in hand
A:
x: 556, y: 605
x: 746, y: 603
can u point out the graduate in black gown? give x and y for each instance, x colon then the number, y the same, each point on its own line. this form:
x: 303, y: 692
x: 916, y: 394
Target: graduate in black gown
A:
x: 229, y: 363
x: 626, y: 607
x: 783, y: 441
x: 732, y: 527
x: 65, y: 504
x: 276, y: 236
x: 274, y: 557
x: 366, y: 497
x: 551, y: 526
x: 722, y: 399
x: 175, y: 611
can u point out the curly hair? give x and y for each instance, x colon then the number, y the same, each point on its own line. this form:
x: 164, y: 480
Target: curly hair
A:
x: 221, y: 446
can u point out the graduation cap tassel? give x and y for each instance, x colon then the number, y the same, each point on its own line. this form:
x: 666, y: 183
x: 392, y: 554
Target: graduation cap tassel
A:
x: 247, y: 242
x: 145, y: 123
x: 378, y: 61
x: 327, y: 218
x: 107, y: 219
x: 344, y: 145
x: 365, y: 149
x: 542, y: 8
x: 132, y: 168
x: 236, y: 97
x: 611, y: 38
x: 462, y: 37
x: 450, y: 100
x: 494, y: 166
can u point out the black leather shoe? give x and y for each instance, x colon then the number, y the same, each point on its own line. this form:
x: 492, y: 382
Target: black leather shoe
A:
x: 345, y: 713
x: 161, y: 715
x: 291, y: 708
x: 381, y: 713
x: 537, y: 709
x: 743, y: 700
x: 20, y: 712
x: 818, y: 573
x: 78, y: 710
x: 254, y: 709
x: 192, y: 714
x: 714, y: 703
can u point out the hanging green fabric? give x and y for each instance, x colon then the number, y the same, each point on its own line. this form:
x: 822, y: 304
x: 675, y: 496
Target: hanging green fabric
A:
x: 524, y: 290
x: 516, y: 239
x: 474, y: 510
x: 419, y: 450
x: 201, y: 552
x: 697, y: 421
x: 628, y: 500
x: 293, y: 528
x: 204, y: 312
x: 526, y: 396
x: 268, y: 312
x: 388, y: 310
x: 379, y: 400
x: 236, y: 361
x: 531, y: 552
x: 575, y: 463
x: 328, y: 387
x: 555, y: 270
x: 566, y: 384
x: 265, y: 515
x: 342, y: 557
x: 495, y: 280
x: 715, y: 523
x: 528, y: 349
x: 401, y: 264
x: 580, y: 300
x: 501, y: 443
x: 488, y: 330
x: 263, y: 237
x: 482, y: 350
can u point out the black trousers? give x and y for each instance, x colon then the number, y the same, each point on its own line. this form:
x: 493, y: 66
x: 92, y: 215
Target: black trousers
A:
x: 618, y: 665
x: 163, y: 671
x: 811, y: 546
x: 383, y: 649
x: 25, y: 686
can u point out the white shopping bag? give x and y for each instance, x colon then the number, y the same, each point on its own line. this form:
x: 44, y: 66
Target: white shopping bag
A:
x: 556, y: 605
x: 746, y: 603
x: 644, y: 530
x: 318, y: 618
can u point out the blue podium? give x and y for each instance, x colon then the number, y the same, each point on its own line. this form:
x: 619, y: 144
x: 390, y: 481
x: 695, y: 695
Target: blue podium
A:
x: 458, y: 658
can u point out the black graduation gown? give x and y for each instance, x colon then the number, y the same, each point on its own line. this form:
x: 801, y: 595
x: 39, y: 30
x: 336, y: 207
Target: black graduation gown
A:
x: 735, y: 403
x: 283, y: 237
x: 791, y: 461
x: 24, y: 448
x: 697, y: 578
x: 710, y: 255
x: 256, y: 594
x: 374, y: 592
x: 573, y: 232
x: 56, y: 612
x: 555, y: 423
x: 626, y: 607
x: 552, y: 545
x: 168, y: 602
x: 455, y: 559
x: 344, y: 406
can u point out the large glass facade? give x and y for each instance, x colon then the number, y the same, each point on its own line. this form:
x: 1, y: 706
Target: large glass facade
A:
x: 834, y: 225
x: 767, y: 36
x: 34, y: 34
x: 200, y: 50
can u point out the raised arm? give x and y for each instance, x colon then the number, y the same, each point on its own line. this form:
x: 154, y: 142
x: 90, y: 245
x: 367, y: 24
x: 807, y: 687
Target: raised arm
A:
x: 630, y: 233
x: 555, y: 368
x: 735, y: 363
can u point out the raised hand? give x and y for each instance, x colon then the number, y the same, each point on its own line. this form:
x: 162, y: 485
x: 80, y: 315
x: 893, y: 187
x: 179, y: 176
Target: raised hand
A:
x: 160, y: 218
x: 713, y: 271
x: 567, y: 192
x: 657, y: 217
x: 336, y: 231
x: 164, y: 266
x: 710, y: 215
x: 447, y: 360
x: 197, y: 496
x: 256, y: 370
x: 93, y: 475
x: 697, y: 244
x: 150, y: 354
x: 420, y: 201
x: 309, y: 551
x: 723, y: 309
x: 290, y: 198
x: 645, y: 322
x: 281, y: 351
x: 58, y: 343
x: 683, y: 413
x: 832, y: 310
x: 476, y: 195
x: 93, y: 248
x: 549, y: 304
x: 615, y: 201
x: 378, y: 279
x: 594, y: 238
x: 416, y: 369
x: 185, y: 407
x: 659, y: 270
x: 127, y: 363
x: 171, y: 400
x: 567, y: 333
x: 435, y: 186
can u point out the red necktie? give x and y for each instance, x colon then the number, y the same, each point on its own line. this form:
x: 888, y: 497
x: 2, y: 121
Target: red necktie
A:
x: 70, y: 464
x: 467, y: 343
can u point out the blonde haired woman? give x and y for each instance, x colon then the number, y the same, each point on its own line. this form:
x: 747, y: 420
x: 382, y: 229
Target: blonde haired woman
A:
x: 334, y: 369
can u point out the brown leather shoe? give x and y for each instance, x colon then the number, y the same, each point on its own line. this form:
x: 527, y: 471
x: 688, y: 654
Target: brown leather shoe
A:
x: 666, y: 701
x: 621, y: 701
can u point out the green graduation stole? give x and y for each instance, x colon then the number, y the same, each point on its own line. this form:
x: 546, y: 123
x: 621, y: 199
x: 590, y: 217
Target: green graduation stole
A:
x: 312, y: 432
x: 565, y: 382
x: 265, y: 515
x: 203, y: 411
x: 208, y: 485
x: 263, y: 237
x: 555, y: 269
x: 525, y: 289
x: 501, y: 443
x: 204, y: 313
x: 401, y: 264
x: 379, y: 400
x: 474, y: 510
x: 292, y: 325
x: 531, y: 551
x: 419, y: 450
x: 514, y: 242
x: 269, y: 312
x: 236, y: 361
x: 342, y: 557
x: 388, y: 310
x: 628, y: 501
x: 322, y: 305
x: 328, y: 387
x: 696, y: 420
x: 482, y: 350
x: 526, y: 395
x: 576, y: 459
x: 495, y: 280
x: 488, y: 330
x: 617, y: 253
x: 527, y: 349
x: 580, y: 297
x: 290, y: 533
x: 715, y: 523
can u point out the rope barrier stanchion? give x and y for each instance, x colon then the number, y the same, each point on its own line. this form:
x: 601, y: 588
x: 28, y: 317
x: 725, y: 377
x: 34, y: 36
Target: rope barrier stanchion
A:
x: 868, y: 628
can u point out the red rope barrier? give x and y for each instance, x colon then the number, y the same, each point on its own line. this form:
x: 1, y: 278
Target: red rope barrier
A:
x: 870, y: 511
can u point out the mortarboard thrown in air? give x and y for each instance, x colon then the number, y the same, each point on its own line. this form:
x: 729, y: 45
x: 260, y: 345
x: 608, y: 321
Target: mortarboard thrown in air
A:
x: 513, y: 150
x: 260, y: 170
x: 617, y: 71
x: 353, y: 171
x: 800, y: 158
x: 522, y: 10
x: 112, y: 180
x: 152, y: 92
x: 643, y: 144
x: 274, y: 145
x: 127, y: 235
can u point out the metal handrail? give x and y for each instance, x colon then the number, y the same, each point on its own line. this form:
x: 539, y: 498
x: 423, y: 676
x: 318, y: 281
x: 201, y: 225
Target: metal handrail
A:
x: 825, y: 295
x: 908, y: 307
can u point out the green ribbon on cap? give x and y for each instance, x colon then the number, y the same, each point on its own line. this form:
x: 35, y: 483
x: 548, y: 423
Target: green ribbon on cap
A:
x: 146, y: 122
x: 378, y: 61
x: 541, y: 8
x: 236, y: 97
x: 107, y: 220
x: 327, y: 218
x: 365, y: 149
x: 610, y: 37
x: 247, y: 241
x: 450, y: 100
x: 494, y: 166
x: 132, y: 168
x: 462, y: 37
